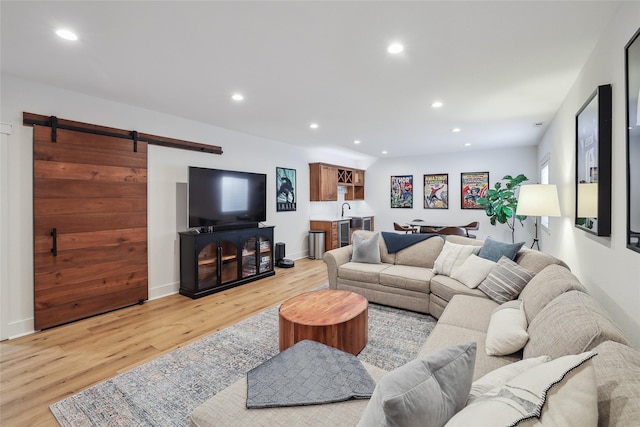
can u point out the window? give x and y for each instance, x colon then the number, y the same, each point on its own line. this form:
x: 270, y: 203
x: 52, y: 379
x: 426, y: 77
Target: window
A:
x: 544, y: 179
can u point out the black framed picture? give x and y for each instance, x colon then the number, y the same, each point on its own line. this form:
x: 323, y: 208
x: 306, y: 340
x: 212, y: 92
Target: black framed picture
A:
x: 473, y: 185
x: 632, y: 62
x: 436, y: 191
x: 402, y: 191
x: 593, y: 163
x: 286, y: 193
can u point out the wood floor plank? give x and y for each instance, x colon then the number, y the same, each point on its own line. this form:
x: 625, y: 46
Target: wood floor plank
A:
x: 43, y: 368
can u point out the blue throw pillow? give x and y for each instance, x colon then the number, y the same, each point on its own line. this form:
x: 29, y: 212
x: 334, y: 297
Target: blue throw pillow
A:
x: 494, y: 250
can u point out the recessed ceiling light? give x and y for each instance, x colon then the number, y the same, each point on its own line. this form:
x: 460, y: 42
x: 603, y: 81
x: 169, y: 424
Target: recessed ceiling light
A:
x: 437, y: 104
x: 313, y: 126
x: 357, y: 141
x: 468, y: 144
x: 394, y: 48
x: 237, y: 97
x: 66, y: 34
x: 456, y: 130
x: 384, y: 151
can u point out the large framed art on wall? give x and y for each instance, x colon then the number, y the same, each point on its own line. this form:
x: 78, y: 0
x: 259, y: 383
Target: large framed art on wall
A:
x: 632, y: 59
x: 593, y: 163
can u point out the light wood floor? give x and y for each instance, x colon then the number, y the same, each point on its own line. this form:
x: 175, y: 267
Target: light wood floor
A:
x: 42, y: 368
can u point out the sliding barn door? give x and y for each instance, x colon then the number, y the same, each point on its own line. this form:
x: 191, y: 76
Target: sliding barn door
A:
x: 90, y: 224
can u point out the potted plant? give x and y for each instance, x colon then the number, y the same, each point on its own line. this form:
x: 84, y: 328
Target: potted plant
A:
x: 500, y: 202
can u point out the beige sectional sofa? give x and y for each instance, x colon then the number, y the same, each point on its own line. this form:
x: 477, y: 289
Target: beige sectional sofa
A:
x: 561, y: 319
x: 405, y: 279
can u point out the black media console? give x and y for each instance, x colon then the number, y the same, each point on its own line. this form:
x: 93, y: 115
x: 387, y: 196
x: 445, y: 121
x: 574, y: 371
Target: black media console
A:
x: 213, y: 262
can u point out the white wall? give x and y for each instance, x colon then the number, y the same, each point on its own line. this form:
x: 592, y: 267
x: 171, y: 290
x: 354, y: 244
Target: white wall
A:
x: 498, y: 163
x: 609, y: 270
x: 166, y: 168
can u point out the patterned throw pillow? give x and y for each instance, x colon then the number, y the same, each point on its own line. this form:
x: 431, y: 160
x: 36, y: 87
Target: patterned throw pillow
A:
x: 452, y: 256
x: 561, y: 392
x: 506, y: 281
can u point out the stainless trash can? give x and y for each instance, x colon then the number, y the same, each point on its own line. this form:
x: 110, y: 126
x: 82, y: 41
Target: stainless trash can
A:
x: 316, y: 244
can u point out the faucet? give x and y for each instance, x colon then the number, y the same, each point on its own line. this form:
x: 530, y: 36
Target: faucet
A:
x: 348, y: 205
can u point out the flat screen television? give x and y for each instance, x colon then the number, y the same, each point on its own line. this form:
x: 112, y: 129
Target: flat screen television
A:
x: 223, y: 199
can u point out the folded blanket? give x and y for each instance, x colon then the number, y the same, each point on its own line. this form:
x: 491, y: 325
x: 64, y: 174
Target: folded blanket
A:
x: 308, y: 373
x: 396, y: 242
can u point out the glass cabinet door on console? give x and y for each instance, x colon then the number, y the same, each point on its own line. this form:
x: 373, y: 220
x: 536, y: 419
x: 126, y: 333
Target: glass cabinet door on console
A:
x: 211, y: 262
x: 265, y: 256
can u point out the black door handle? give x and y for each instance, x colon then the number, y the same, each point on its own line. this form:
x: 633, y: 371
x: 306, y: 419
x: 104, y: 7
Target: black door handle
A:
x: 54, y: 249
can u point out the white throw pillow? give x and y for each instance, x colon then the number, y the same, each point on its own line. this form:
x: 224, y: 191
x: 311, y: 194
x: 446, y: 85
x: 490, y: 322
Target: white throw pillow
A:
x: 561, y: 392
x: 452, y: 256
x: 473, y: 271
x: 507, y: 332
x: 499, y: 377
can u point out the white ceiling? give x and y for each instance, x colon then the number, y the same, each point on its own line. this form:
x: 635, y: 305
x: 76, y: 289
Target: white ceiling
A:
x: 498, y: 66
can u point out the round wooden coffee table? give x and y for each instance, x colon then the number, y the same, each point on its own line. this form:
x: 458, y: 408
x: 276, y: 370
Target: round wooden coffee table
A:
x: 333, y: 317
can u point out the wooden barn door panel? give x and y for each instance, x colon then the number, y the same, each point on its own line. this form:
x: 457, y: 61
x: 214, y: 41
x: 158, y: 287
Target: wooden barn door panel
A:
x: 92, y: 189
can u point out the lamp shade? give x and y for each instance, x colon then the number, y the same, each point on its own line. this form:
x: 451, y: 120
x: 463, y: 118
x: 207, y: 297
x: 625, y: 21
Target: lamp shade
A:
x: 588, y: 200
x: 538, y: 200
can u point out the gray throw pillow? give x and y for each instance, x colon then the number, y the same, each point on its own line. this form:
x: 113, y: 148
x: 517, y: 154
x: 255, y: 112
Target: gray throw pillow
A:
x: 494, y: 249
x: 505, y: 281
x: 366, y: 250
x: 425, y: 392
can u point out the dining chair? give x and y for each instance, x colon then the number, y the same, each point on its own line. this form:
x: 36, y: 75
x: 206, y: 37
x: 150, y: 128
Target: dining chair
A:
x: 405, y: 228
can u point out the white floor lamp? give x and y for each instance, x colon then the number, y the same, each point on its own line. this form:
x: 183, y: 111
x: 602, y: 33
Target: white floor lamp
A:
x: 538, y: 200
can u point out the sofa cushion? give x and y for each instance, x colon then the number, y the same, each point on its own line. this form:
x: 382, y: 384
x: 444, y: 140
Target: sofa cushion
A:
x: 446, y: 288
x: 444, y: 336
x: 473, y: 271
x: 361, y: 272
x: 407, y: 277
x: 365, y: 249
x: 536, y: 261
x: 494, y: 249
x: 507, y: 332
x: 458, y: 313
x: 505, y: 281
x: 572, y: 323
x: 618, y: 377
x: 421, y: 254
x: 427, y: 391
x: 552, y: 281
x: 561, y: 392
x: 451, y: 257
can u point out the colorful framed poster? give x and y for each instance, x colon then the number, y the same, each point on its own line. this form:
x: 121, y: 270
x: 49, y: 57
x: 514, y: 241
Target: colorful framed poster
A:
x: 286, y: 185
x: 402, y: 191
x: 473, y: 185
x: 436, y: 191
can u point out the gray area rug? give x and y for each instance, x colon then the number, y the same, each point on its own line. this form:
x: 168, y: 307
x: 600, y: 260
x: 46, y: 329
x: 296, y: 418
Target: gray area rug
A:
x: 164, y: 391
x: 308, y: 373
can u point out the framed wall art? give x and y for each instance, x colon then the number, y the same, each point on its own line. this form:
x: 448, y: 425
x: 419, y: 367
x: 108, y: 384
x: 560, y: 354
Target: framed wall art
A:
x: 436, y: 191
x: 473, y: 186
x: 632, y: 62
x: 286, y: 185
x: 402, y: 191
x: 593, y: 163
